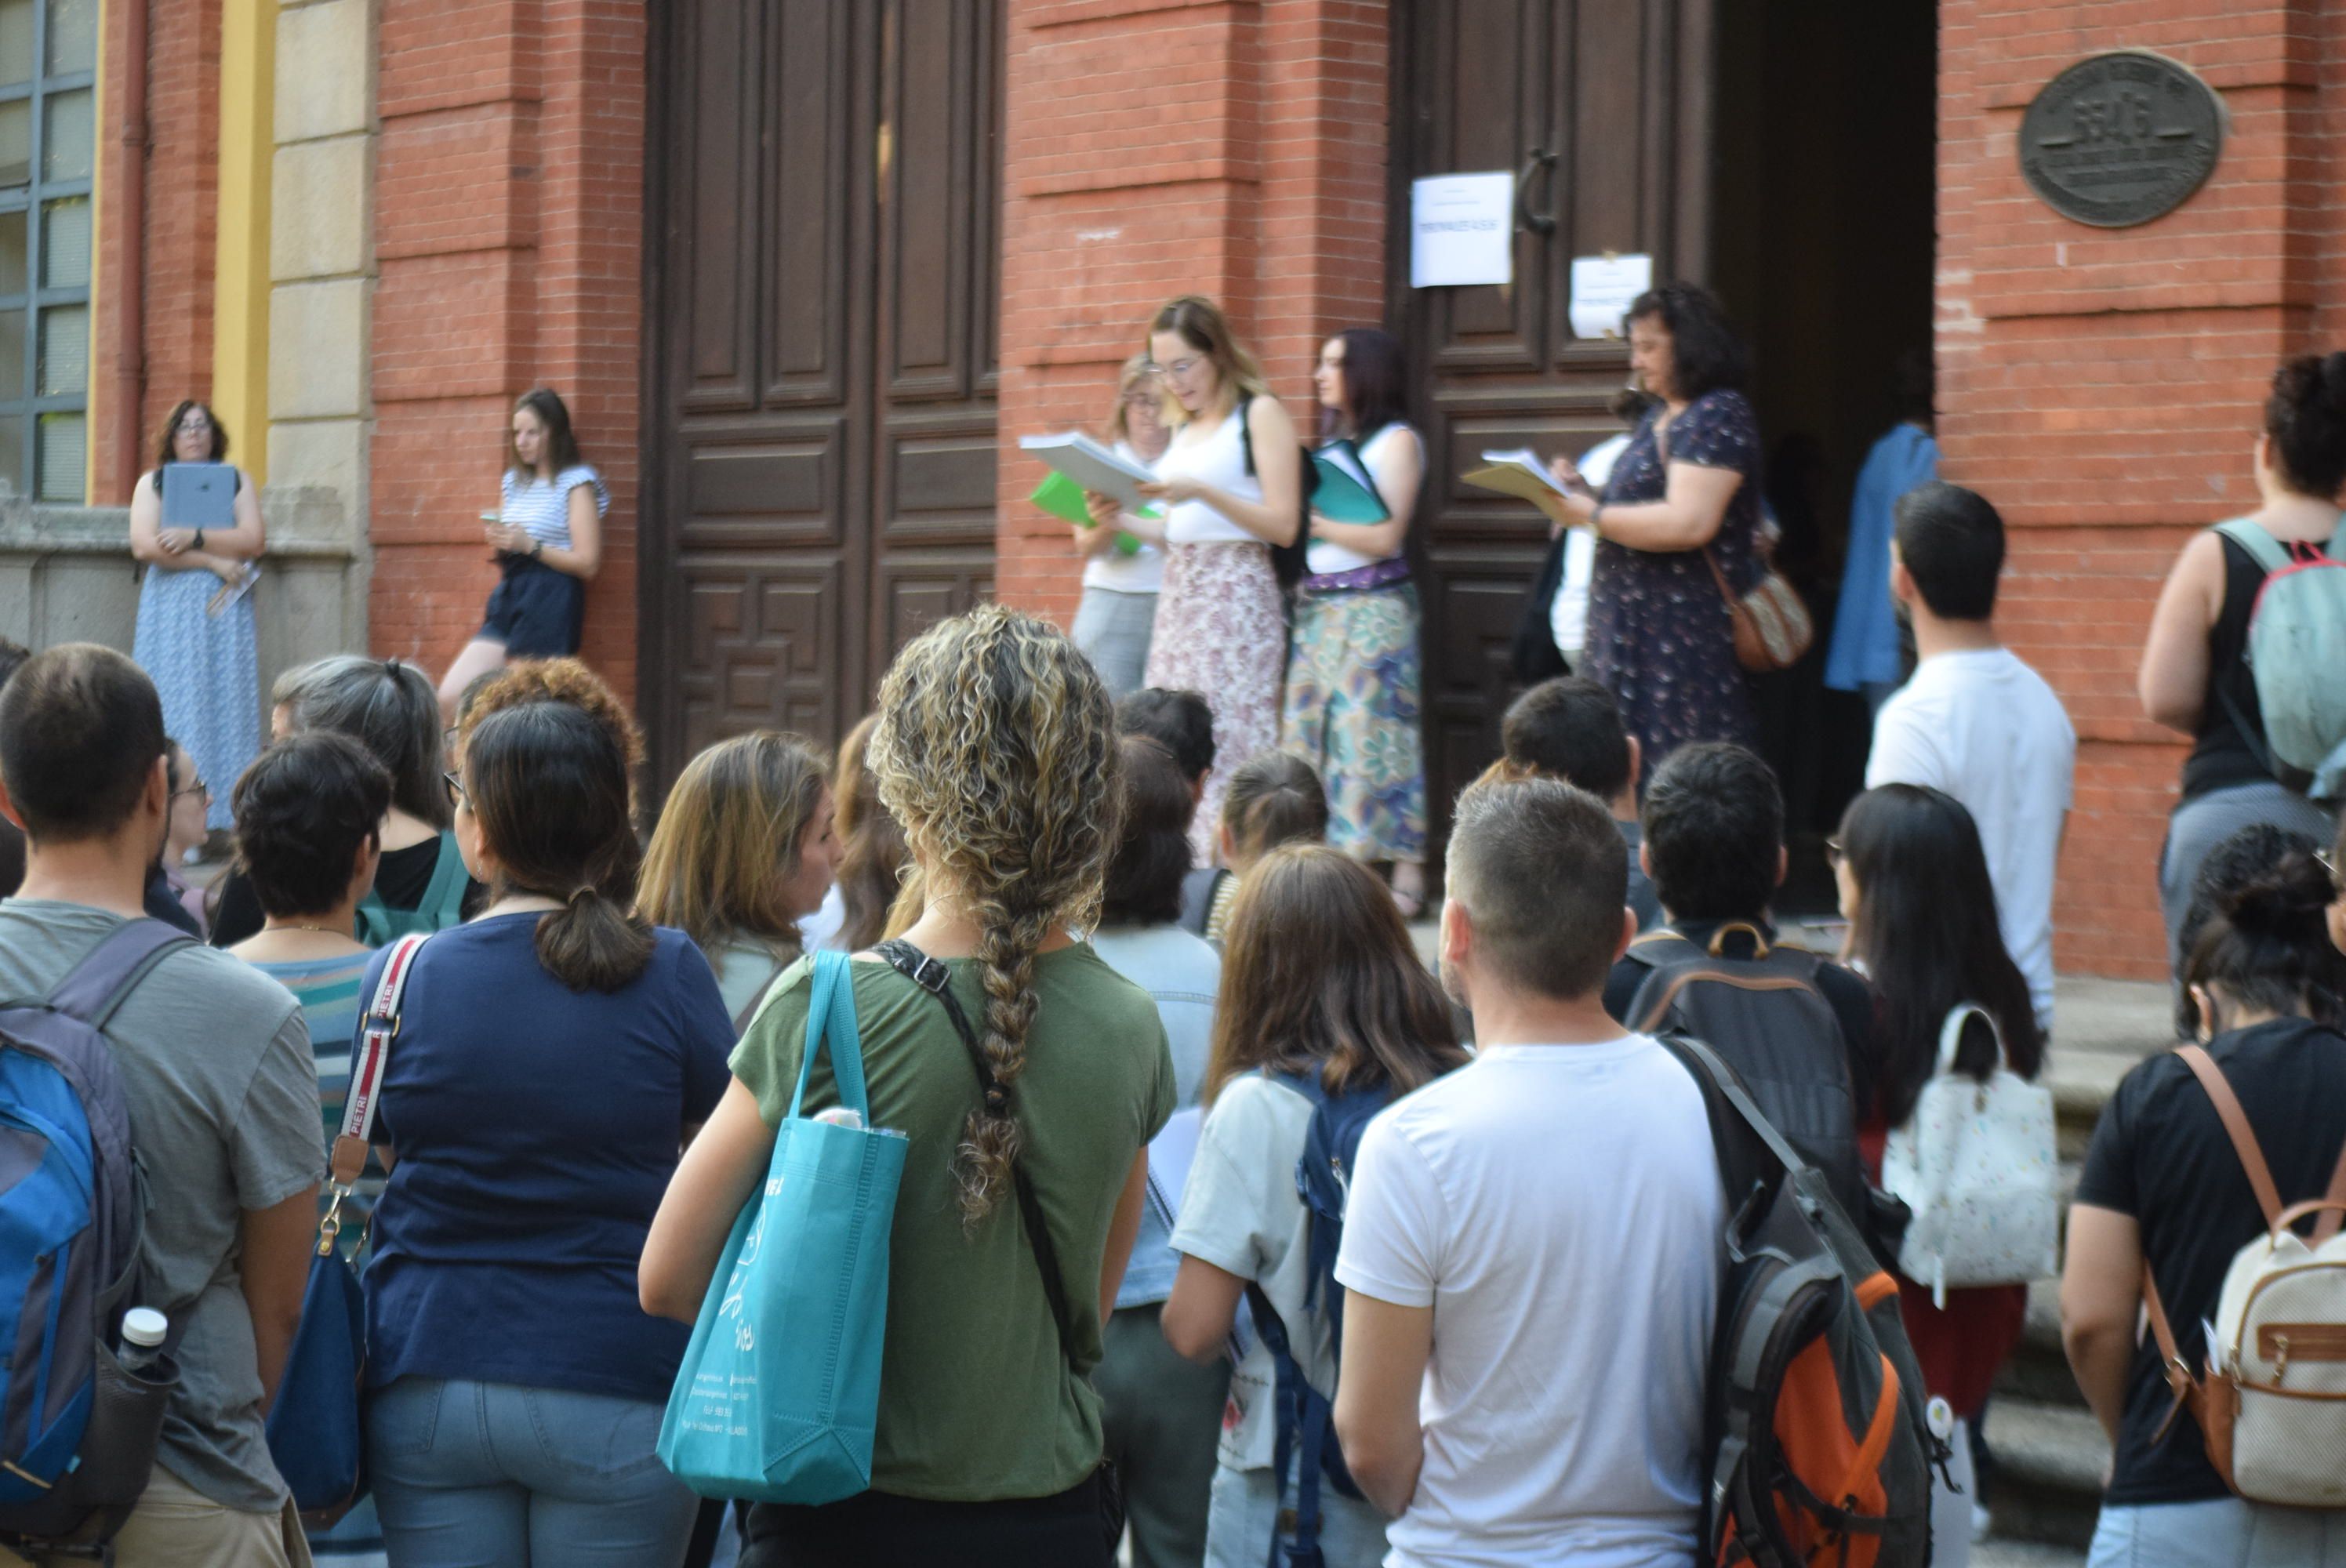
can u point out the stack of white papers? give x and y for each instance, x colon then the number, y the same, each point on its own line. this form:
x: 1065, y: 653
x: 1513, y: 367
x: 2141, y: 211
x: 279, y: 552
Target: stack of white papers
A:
x: 1091, y: 465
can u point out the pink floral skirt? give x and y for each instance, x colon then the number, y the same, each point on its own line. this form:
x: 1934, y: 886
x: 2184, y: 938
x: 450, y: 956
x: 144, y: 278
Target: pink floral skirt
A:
x: 1222, y: 632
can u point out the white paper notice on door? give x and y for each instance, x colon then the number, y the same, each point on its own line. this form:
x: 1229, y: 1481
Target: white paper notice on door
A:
x: 1461, y: 230
x: 1602, y: 289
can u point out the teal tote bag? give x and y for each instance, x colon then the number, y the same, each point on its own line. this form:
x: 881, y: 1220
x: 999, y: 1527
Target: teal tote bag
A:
x: 781, y: 1385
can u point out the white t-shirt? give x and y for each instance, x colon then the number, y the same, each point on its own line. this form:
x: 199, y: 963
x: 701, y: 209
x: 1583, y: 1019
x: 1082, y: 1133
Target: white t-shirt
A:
x: 1559, y: 1208
x: 1986, y: 729
x: 1380, y: 456
x: 1241, y: 1214
x: 1143, y: 571
x: 1215, y: 457
x: 1568, y: 611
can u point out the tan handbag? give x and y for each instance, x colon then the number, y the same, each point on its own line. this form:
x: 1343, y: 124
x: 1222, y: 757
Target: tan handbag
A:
x: 1772, y: 626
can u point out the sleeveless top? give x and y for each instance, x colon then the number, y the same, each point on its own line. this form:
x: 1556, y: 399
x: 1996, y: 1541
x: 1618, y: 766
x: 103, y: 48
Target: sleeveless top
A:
x: 1215, y: 457
x: 1377, y: 454
x: 2222, y: 756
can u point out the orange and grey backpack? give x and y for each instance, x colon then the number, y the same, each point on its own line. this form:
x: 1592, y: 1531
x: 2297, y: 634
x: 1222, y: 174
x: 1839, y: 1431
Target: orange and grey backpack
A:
x: 1818, y: 1433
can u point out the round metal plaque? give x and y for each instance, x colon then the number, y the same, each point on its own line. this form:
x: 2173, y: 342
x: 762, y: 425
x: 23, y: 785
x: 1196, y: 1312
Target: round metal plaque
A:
x: 2121, y: 138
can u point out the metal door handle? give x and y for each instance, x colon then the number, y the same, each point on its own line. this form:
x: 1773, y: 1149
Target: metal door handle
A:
x: 1536, y: 161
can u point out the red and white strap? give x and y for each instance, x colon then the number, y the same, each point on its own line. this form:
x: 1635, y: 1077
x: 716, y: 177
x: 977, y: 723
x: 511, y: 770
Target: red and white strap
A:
x: 376, y: 1032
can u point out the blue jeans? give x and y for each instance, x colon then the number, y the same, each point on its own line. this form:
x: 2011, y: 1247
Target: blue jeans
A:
x: 487, y: 1475
x: 2223, y: 1532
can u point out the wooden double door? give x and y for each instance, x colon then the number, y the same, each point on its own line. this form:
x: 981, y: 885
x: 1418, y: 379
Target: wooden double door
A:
x: 821, y: 320
x: 1600, y: 107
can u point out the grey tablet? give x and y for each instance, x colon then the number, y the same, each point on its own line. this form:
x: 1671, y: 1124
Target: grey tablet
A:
x: 198, y: 496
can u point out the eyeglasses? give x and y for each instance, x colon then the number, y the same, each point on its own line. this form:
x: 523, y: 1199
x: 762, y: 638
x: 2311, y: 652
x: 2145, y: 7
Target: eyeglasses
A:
x: 1178, y: 368
x: 198, y: 788
x: 456, y: 789
x: 1833, y: 855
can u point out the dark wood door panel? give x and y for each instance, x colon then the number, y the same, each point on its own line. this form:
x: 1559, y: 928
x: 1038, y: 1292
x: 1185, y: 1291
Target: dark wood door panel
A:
x: 762, y: 640
x: 712, y: 276
x: 808, y: 218
x: 773, y: 481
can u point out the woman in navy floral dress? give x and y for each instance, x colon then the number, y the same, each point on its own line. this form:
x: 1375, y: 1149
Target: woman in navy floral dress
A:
x: 1659, y: 635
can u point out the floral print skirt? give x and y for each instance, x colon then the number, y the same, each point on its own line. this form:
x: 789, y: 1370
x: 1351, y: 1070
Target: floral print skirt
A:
x: 1222, y: 633
x: 1352, y: 713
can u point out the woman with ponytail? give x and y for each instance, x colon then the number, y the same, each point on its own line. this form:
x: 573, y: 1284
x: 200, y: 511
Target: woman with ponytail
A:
x: 2163, y: 1185
x: 2195, y: 675
x: 552, y: 1055
x: 996, y: 750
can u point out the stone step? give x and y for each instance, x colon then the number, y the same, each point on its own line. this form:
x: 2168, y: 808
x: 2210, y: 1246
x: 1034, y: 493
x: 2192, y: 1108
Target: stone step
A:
x: 2050, y: 1459
x: 1996, y: 1552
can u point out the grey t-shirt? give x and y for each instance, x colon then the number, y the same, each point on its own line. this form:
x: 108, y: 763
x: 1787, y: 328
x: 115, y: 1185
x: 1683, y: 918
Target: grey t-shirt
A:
x: 215, y: 1063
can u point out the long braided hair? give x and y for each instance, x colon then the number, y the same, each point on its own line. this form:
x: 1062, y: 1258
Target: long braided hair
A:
x: 996, y: 749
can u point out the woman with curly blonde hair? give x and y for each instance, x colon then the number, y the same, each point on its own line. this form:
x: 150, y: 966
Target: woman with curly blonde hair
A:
x: 1034, y: 1070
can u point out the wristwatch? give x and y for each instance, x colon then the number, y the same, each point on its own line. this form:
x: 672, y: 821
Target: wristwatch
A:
x: 536, y: 548
x: 199, y: 540
x: 1594, y: 513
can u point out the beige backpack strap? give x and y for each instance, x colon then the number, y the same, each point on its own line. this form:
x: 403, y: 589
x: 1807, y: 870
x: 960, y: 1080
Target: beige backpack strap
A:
x: 2236, y: 1124
x: 2171, y: 1364
x: 1760, y: 948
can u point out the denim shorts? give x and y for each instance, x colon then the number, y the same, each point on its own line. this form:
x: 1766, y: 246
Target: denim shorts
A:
x: 535, y: 611
x: 2221, y: 1532
x: 1246, y: 1510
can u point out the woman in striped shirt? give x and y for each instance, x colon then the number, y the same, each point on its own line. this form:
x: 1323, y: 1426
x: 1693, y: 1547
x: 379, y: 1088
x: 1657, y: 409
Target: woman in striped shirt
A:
x: 547, y: 533
x: 309, y: 813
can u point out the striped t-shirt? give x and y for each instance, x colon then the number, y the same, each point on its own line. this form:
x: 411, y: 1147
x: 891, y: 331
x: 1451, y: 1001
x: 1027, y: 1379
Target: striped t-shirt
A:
x: 544, y: 508
x: 328, y: 989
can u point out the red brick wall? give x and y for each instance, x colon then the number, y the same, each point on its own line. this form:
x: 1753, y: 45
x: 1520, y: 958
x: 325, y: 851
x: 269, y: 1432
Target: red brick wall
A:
x: 2102, y: 386
x: 172, y: 255
x: 1157, y: 148
x: 508, y: 217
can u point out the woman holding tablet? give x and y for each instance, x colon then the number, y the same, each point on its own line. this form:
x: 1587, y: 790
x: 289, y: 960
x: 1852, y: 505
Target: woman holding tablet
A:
x: 194, y: 632
x: 547, y: 533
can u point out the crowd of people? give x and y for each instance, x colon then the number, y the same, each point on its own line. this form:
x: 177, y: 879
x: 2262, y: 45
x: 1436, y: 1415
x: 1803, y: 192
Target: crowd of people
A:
x: 1165, y: 984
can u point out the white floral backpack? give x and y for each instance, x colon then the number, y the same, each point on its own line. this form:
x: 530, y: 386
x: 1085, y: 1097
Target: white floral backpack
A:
x: 1976, y: 1165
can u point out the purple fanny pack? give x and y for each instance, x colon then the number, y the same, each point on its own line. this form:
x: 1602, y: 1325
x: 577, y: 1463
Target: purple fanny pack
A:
x: 1376, y: 575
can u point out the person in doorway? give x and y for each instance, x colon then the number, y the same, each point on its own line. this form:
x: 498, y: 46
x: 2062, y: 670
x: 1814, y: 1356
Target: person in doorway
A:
x: 387, y: 706
x: 744, y: 851
x: 552, y: 1054
x: 1325, y: 996
x: 309, y: 833
x: 194, y: 636
x: 548, y: 538
x: 170, y: 897
x: 996, y: 750
x: 1568, y: 610
x: 1975, y: 720
x: 1682, y: 500
x: 1570, y: 729
x: 1352, y: 673
x: 1922, y: 929
x: 1122, y: 573
x: 2195, y: 677
x: 1274, y: 800
x: 1865, y: 656
x: 215, y: 1069
x: 1232, y: 485
x: 2163, y: 1185
x: 1496, y: 1214
x: 1160, y: 1413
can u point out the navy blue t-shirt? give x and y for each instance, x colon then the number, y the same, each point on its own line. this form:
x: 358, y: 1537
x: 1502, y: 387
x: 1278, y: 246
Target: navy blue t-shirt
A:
x: 536, y: 1128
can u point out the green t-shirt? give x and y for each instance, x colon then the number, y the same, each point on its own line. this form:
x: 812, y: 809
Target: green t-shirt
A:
x: 976, y: 1403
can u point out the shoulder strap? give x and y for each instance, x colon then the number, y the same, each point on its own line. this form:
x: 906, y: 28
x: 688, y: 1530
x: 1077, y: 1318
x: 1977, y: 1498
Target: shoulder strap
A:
x: 99, y: 984
x: 1951, y: 1036
x: 377, y: 1029
x: 2236, y: 1126
x: 936, y: 979
x: 2261, y: 547
x: 1246, y: 432
x: 443, y: 896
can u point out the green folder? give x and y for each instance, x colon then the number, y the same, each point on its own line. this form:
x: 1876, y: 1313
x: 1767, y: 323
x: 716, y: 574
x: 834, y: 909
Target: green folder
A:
x: 1063, y: 498
x: 1341, y: 498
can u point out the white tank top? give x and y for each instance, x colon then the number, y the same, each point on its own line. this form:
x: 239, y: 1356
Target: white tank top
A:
x: 1216, y: 457
x: 1378, y: 457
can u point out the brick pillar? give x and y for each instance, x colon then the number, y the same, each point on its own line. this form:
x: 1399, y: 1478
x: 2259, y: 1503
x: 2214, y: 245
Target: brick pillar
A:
x: 2103, y: 386
x: 1231, y: 149
x: 509, y: 216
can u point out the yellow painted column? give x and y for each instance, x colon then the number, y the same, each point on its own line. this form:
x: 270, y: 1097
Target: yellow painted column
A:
x: 240, y: 287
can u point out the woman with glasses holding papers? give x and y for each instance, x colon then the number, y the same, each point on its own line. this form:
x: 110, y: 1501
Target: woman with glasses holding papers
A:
x: 1230, y: 483
x: 1122, y: 570
x: 194, y: 632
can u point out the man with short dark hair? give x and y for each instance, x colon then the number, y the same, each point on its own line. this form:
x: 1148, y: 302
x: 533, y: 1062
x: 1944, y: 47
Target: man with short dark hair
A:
x: 1975, y: 720
x: 1182, y: 721
x: 1554, y: 1206
x: 1570, y: 728
x: 223, y: 1101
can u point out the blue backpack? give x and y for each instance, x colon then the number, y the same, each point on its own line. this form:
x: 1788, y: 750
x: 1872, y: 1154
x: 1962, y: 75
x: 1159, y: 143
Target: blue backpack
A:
x: 77, y: 1432
x: 1305, y: 1419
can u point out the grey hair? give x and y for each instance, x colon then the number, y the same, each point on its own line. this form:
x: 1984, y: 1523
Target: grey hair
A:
x: 387, y: 705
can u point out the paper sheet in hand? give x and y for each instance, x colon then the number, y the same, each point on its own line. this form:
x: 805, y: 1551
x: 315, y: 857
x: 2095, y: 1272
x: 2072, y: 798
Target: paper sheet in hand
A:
x: 1170, y: 1154
x: 1519, y: 473
x: 1091, y: 465
x: 1341, y: 497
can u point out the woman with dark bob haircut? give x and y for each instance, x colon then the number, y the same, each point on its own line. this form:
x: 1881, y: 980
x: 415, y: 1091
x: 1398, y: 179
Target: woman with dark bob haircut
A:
x: 2195, y: 676
x: 1683, y: 497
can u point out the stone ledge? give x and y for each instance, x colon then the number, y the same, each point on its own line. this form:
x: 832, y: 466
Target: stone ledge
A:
x: 301, y: 526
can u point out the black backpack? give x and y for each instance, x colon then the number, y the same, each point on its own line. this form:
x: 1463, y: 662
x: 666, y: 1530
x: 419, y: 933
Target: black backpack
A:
x: 1765, y: 1016
x: 1305, y: 1419
x: 1287, y: 561
x: 1817, y: 1436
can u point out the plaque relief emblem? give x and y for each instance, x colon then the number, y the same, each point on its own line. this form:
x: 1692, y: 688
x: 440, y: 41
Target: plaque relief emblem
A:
x: 2121, y: 138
